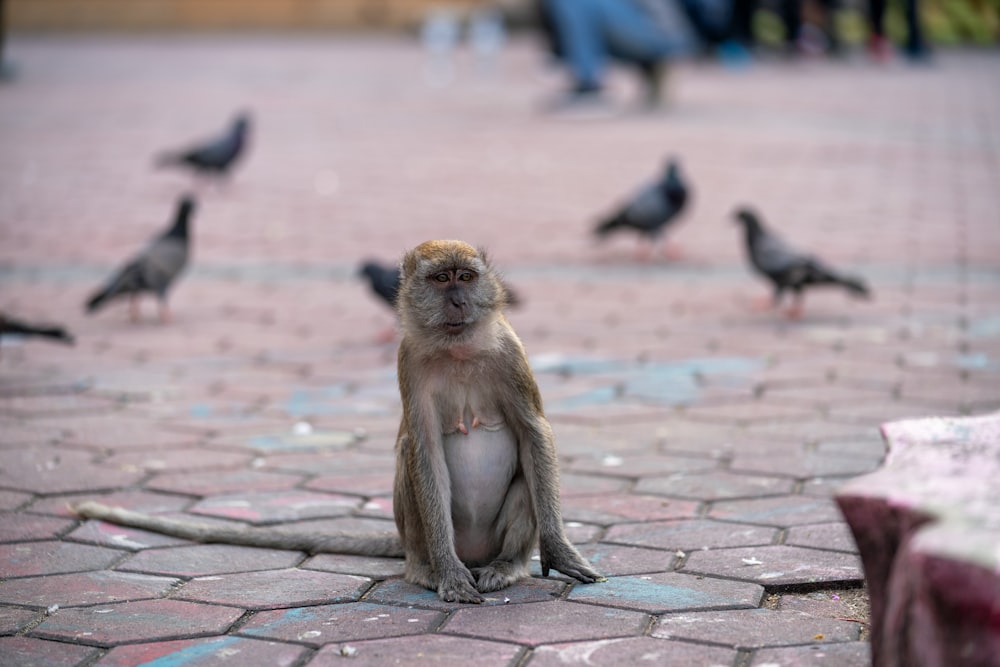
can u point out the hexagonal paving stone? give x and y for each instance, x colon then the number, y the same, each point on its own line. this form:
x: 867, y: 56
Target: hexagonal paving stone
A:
x: 365, y: 566
x: 116, y: 432
x: 339, y: 623
x: 672, y: 591
x: 781, y: 511
x: 17, y: 526
x: 14, y: 619
x: 84, y: 588
x: 545, y: 622
x: 418, y: 650
x: 803, y: 465
x: 850, y: 654
x: 835, y: 536
x: 31, y: 652
x: 399, y: 592
x: 612, y: 560
x: 747, y: 412
x: 691, y: 535
x: 206, y: 653
x: 207, y: 559
x: 715, y: 485
x: 48, y: 470
x: 632, y: 651
x: 777, y: 566
x: 210, y: 483
x: 366, y: 484
x: 106, y: 625
x: 12, y: 500
x: 28, y: 559
x: 626, y: 507
x: 755, y: 628
x: 573, y: 484
x: 640, y: 465
x: 176, y: 459
x: 273, y: 589
x: 276, y: 507
x: 42, y: 405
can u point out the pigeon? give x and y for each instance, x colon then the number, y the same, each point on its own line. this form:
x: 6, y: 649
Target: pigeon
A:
x: 154, y: 269
x: 652, y: 209
x: 383, y: 280
x: 214, y: 157
x: 11, y: 326
x: 788, y: 269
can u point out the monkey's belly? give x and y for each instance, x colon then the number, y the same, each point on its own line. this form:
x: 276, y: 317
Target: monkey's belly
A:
x: 481, y: 466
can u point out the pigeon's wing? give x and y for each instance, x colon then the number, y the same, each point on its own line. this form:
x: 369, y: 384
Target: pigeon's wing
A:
x: 162, y: 263
x: 772, y: 255
x: 649, y: 209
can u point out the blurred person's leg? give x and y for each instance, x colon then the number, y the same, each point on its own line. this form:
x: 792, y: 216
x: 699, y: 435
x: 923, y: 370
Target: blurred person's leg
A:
x: 916, y: 47
x: 791, y: 19
x: 877, y: 44
x: 591, y: 31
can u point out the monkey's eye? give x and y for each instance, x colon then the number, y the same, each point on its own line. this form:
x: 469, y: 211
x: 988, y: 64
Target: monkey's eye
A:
x: 466, y: 276
x: 442, y: 277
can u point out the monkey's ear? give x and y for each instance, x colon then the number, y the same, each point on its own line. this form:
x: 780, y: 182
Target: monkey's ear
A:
x: 483, y: 255
x: 408, y: 265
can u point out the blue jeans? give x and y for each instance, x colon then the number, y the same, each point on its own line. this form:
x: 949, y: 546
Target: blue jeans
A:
x: 592, y: 31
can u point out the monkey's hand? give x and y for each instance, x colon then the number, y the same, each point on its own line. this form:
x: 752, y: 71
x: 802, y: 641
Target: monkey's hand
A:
x: 457, y: 584
x: 561, y: 555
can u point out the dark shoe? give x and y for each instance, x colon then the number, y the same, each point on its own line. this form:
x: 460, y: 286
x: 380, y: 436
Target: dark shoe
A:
x: 581, y: 102
x: 654, y: 76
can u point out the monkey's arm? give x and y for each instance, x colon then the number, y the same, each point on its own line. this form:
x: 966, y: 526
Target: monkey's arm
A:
x: 536, y: 446
x: 386, y: 544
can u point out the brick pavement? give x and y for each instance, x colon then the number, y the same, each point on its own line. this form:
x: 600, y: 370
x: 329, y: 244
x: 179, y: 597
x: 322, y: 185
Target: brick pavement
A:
x: 700, y: 441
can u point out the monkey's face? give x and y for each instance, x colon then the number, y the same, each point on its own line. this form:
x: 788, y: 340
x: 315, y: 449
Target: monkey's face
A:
x: 455, y: 290
x: 447, y: 288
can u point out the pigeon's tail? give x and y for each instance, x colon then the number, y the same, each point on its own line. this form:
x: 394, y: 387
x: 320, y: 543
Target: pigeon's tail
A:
x: 97, y: 300
x: 168, y: 159
x: 855, y: 286
x: 608, y: 226
x: 53, y: 332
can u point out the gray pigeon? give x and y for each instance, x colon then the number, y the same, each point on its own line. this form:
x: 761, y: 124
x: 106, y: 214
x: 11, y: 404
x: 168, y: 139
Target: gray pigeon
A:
x: 384, y: 280
x: 788, y: 269
x: 153, y: 270
x: 652, y: 209
x: 213, y: 157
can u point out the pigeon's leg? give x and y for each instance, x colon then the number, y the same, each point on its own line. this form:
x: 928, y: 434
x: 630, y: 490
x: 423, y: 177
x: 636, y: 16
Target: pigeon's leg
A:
x: 794, y: 311
x: 671, y: 251
x: 165, y: 316
x: 133, y: 308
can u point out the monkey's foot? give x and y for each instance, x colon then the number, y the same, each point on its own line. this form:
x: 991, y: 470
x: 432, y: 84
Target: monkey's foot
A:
x: 458, y: 586
x: 497, y: 575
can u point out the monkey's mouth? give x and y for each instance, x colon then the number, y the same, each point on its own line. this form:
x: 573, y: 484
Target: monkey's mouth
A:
x: 454, y: 327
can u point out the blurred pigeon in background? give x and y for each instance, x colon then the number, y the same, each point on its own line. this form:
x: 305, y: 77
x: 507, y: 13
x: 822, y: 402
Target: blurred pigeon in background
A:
x: 153, y: 270
x: 10, y: 326
x: 651, y: 210
x: 788, y: 269
x: 212, y: 157
x: 383, y: 280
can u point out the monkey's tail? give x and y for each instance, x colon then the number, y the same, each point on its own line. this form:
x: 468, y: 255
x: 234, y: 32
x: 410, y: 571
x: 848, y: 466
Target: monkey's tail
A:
x: 372, y: 544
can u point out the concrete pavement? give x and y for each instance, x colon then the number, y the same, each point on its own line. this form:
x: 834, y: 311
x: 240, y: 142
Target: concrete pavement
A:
x: 700, y: 440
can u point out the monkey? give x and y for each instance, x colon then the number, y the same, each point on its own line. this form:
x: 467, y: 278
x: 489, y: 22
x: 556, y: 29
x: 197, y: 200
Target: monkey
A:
x: 476, y: 486
x: 477, y: 477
